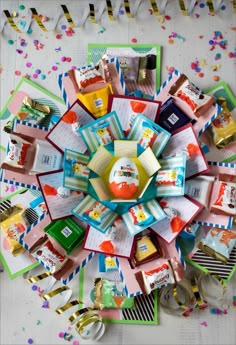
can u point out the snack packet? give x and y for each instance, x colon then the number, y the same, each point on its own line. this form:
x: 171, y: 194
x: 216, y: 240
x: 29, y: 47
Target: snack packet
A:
x: 16, y: 151
x: 158, y: 277
x: 218, y: 244
x: 67, y: 233
x: 111, y: 294
x: 190, y: 94
x: 13, y: 222
x: 226, y: 199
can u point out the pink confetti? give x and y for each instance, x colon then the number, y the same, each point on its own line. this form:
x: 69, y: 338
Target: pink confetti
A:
x: 58, y: 36
x: 54, y: 68
x: 63, y: 58
x: 35, y: 75
x: 17, y: 72
x: 167, y: 17
x: 68, y: 59
x: 204, y: 323
x: 28, y: 64
x: 134, y: 40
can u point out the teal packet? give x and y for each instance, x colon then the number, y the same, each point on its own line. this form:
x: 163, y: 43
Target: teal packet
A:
x: 67, y: 233
x: 111, y: 294
x: 218, y: 244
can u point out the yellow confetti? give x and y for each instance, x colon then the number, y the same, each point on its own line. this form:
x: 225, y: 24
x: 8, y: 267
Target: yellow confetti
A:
x: 203, y: 63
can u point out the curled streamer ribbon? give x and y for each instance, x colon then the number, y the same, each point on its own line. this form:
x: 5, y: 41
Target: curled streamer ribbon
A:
x: 89, y: 324
x: 95, y: 14
x: 158, y: 10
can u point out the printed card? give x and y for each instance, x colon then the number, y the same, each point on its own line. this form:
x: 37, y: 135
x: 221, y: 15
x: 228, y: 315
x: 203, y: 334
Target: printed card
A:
x: 170, y: 178
x: 184, y: 141
x: 122, y: 240
x: 60, y: 201
x: 148, y: 134
x: 102, y: 131
x: 180, y: 211
x: 143, y: 215
x: 75, y: 117
x: 75, y: 171
x: 128, y: 107
x: 202, y: 122
x: 94, y: 213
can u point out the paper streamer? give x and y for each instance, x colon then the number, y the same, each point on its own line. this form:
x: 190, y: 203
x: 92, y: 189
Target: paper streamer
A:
x: 89, y: 324
x: 95, y: 13
x: 158, y: 11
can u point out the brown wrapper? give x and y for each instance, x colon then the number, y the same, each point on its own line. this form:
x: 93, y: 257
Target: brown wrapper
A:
x: 211, y: 252
x: 198, y: 102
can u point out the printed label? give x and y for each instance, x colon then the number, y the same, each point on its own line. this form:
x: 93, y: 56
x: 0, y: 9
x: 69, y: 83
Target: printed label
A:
x: 66, y: 231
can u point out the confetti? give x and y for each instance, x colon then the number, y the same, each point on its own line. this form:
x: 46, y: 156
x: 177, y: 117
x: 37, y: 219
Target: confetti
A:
x: 58, y: 36
x: 54, y: 68
x: 10, y: 42
x: 43, y: 76
x: 204, y: 323
x: 17, y: 72
x: 30, y: 341
x: 45, y: 304
x: 38, y: 322
x: 216, y: 78
x: 21, y: 7
x: 134, y: 40
x: 234, y: 301
x: 28, y: 64
x: 102, y: 30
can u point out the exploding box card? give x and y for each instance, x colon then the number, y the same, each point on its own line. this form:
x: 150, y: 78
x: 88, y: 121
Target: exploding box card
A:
x: 180, y: 211
x: 75, y: 171
x: 28, y: 153
x: 148, y: 134
x: 216, y: 192
x: 199, y: 107
x: 60, y: 201
x: 121, y: 239
x: 184, y: 141
x: 75, y: 117
x: 127, y: 108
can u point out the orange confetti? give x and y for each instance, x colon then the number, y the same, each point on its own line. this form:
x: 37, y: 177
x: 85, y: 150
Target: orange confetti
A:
x: 170, y: 41
x: 192, y: 149
x: 216, y: 78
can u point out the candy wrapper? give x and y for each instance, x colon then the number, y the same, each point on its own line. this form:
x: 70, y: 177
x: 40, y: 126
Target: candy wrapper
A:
x: 198, y: 102
x: 44, y: 251
x: 147, y: 248
x: 158, y: 277
x: 111, y: 294
x: 218, y: 243
x: 171, y: 117
x: 17, y: 151
x: 223, y: 128
x: 226, y: 199
x: 67, y: 233
x: 33, y: 111
x: 13, y: 222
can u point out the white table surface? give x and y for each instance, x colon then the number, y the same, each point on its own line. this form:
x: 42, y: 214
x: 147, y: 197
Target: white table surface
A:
x: 21, y: 307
